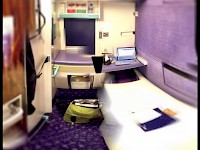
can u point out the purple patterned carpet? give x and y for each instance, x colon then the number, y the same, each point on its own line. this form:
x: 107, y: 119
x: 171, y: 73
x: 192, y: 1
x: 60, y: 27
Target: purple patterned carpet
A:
x: 56, y: 134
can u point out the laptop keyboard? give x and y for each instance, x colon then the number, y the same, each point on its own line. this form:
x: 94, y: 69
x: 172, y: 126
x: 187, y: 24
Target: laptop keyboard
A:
x: 124, y: 62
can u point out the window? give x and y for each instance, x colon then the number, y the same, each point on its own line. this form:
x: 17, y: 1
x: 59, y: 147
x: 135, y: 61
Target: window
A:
x: 80, y: 33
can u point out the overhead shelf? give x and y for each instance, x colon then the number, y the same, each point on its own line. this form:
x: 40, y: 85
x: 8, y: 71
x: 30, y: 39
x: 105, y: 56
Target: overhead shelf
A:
x: 79, y: 9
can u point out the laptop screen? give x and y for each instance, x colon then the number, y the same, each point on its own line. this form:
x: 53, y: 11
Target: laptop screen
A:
x: 124, y: 53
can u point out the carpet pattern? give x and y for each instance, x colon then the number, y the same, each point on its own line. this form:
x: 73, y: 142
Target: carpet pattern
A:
x: 56, y: 134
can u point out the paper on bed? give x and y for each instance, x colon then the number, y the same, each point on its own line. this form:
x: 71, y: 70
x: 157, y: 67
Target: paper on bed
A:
x: 146, y: 115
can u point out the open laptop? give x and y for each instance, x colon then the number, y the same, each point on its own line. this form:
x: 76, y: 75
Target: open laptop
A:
x: 125, y: 55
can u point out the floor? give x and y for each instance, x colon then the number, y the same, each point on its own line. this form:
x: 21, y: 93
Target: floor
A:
x: 56, y: 134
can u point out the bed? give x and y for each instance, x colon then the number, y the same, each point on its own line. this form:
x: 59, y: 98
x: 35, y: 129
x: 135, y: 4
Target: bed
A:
x: 120, y: 130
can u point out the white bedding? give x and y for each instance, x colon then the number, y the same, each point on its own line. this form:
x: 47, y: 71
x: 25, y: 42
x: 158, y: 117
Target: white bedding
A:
x: 120, y: 130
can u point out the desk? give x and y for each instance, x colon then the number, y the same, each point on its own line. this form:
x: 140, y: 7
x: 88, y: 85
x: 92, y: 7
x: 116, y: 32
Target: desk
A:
x: 81, y: 61
x: 112, y: 67
x: 69, y: 63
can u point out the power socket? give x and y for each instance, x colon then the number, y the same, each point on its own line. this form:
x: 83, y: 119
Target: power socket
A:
x: 105, y: 34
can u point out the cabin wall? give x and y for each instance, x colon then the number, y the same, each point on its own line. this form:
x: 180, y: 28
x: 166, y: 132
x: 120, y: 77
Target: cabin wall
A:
x: 116, y: 17
x: 41, y: 46
x: 165, y: 37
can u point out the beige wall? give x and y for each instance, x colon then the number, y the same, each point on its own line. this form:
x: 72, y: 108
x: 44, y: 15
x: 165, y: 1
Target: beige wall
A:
x: 116, y: 17
x: 41, y: 46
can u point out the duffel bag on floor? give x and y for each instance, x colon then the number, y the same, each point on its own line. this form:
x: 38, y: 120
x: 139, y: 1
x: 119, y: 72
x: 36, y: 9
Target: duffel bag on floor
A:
x: 79, y: 114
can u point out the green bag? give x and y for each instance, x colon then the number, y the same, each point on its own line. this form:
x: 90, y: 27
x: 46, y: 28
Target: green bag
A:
x: 79, y: 114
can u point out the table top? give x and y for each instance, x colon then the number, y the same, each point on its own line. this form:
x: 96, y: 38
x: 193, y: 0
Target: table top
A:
x: 69, y: 58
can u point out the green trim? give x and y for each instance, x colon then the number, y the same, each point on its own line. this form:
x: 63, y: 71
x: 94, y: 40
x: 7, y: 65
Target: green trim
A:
x: 81, y: 11
x: 86, y: 16
x: 56, y: 71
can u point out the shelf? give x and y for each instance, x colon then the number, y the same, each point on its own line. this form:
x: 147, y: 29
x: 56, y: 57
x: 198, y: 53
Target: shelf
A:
x: 72, y: 59
x: 79, y: 9
x: 76, y: 15
x: 113, y: 67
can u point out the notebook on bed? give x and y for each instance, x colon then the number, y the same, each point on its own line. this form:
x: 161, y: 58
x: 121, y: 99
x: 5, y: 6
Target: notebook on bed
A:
x: 125, y: 55
x: 153, y: 119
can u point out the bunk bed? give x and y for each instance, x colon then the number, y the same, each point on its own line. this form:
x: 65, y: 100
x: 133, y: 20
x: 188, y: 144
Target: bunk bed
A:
x: 120, y: 129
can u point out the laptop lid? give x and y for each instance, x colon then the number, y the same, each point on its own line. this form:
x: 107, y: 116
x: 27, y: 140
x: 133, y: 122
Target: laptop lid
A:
x: 126, y: 53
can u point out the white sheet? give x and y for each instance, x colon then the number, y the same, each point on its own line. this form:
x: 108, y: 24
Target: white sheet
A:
x: 124, y: 98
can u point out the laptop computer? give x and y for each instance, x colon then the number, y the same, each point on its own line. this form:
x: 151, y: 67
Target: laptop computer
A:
x: 125, y: 55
